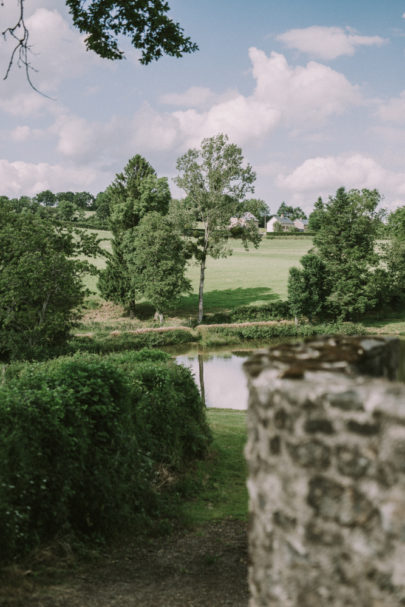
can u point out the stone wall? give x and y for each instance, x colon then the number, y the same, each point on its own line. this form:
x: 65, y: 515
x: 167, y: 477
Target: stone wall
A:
x: 326, y: 456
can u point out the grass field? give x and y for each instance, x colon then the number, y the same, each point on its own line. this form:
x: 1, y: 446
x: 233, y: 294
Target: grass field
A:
x: 223, y: 474
x: 245, y: 277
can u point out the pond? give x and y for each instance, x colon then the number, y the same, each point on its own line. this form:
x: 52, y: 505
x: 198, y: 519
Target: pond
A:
x: 219, y: 375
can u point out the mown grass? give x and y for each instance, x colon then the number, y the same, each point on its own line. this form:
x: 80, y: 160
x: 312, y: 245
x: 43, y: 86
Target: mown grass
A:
x: 222, y: 476
x: 392, y: 323
x: 256, y: 276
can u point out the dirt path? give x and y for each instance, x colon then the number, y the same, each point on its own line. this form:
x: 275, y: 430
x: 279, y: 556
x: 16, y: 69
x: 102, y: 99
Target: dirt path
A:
x: 204, y: 568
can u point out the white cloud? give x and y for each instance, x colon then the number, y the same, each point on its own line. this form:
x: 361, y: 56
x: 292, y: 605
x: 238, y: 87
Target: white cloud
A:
x: 305, y: 96
x: 21, y: 133
x: 393, y: 110
x: 29, y: 178
x: 195, y: 96
x: 57, y: 53
x: 294, y: 97
x: 327, y: 42
x: 323, y: 175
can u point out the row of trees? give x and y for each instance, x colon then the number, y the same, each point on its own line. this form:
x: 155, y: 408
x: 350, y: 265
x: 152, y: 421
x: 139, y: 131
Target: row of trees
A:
x: 41, y: 281
x: 350, y: 272
x: 41, y: 257
x: 154, y: 236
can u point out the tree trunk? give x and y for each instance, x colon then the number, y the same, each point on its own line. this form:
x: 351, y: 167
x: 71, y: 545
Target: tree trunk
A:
x: 158, y: 316
x: 201, y: 376
x: 132, y: 309
x: 201, y: 289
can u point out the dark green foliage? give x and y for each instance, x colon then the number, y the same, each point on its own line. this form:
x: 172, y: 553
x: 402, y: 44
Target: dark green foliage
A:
x: 127, y: 341
x: 309, y: 288
x: 169, y: 409
x: 146, y: 24
x: 158, y: 261
x: 40, y: 282
x: 396, y: 223
x: 276, y: 310
x: 134, y: 193
x: 291, y: 212
x: 69, y: 458
x: 263, y: 332
x: 289, y: 235
x: 346, y: 243
x: 315, y: 218
x: 82, y: 441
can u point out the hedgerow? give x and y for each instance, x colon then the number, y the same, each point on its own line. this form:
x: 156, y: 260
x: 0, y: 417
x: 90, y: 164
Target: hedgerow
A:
x: 82, y: 439
x: 103, y: 344
x: 225, y: 335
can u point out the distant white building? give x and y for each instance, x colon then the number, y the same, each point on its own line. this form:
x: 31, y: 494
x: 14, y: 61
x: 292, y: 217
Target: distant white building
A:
x: 301, y: 224
x: 286, y: 224
x: 242, y: 222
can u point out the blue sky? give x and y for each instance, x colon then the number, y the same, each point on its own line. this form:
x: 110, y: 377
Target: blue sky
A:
x: 313, y: 92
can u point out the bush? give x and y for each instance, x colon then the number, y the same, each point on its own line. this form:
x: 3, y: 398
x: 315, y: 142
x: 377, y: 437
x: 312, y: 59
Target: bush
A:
x: 277, y: 310
x: 170, y: 415
x: 81, y: 440
x: 103, y: 344
x: 68, y: 452
x: 228, y: 335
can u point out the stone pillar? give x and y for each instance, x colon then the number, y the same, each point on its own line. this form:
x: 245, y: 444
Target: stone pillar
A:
x: 326, y: 456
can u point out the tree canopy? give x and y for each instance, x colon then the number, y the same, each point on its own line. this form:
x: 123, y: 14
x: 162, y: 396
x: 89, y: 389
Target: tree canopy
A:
x: 145, y: 22
x: 40, y: 282
x: 216, y: 183
x: 345, y: 270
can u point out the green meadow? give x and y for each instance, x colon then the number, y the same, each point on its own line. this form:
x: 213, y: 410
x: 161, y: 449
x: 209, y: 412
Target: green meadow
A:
x: 256, y: 276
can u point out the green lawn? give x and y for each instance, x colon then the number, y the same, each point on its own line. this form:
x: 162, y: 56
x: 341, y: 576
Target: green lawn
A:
x: 246, y: 277
x: 223, y: 473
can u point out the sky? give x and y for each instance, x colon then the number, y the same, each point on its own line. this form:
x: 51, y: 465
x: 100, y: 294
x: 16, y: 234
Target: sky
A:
x: 312, y: 91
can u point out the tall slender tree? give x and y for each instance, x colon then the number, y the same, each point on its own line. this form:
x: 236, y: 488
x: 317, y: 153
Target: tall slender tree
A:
x: 216, y: 182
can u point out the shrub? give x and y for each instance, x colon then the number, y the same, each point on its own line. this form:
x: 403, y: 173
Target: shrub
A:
x: 103, y: 344
x: 228, y: 335
x: 170, y: 415
x: 81, y: 440
x: 68, y: 452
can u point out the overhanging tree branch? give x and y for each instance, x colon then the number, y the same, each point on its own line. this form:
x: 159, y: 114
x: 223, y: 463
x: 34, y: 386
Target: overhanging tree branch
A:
x: 20, y: 54
x: 144, y: 22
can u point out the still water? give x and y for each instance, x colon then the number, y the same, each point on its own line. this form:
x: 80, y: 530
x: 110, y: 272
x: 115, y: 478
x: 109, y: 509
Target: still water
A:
x: 218, y: 373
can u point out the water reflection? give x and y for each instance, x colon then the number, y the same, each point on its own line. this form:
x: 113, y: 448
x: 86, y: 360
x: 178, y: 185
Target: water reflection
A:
x: 220, y: 377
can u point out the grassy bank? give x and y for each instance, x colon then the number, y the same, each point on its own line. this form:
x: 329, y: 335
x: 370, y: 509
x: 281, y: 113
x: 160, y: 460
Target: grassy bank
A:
x: 222, y: 475
x: 246, y: 277
x: 103, y: 342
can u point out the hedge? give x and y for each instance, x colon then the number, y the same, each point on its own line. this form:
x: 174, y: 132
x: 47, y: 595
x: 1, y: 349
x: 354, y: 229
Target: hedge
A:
x: 82, y: 439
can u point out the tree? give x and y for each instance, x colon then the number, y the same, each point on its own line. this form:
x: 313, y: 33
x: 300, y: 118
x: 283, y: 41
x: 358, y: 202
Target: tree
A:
x: 134, y: 193
x: 158, y: 261
x: 145, y: 23
x: 395, y: 257
x: 46, y: 198
x: 315, y: 218
x: 258, y: 208
x: 346, y: 242
x: 309, y: 287
x: 41, y: 284
x: 216, y: 183
x: 291, y: 212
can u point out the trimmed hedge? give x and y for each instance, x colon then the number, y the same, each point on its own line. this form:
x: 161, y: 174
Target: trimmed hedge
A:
x: 81, y: 441
x: 276, y: 310
x: 230, y: 335
x: 104, y: 344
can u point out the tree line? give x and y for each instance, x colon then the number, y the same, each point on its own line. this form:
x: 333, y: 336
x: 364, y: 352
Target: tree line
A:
x: 349, y: 271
